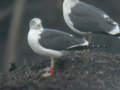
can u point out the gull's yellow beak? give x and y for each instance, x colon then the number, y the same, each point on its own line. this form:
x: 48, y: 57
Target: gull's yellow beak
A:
x: 38, y: 25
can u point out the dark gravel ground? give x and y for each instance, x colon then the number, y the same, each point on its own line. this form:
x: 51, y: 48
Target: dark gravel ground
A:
x: 91, y: 71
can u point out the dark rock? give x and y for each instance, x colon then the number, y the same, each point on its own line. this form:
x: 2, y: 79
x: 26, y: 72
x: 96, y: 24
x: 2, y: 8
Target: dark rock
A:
x: 91, y: 71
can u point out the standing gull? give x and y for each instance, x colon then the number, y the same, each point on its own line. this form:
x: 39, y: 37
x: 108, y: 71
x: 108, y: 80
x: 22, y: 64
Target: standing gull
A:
x: 84, y: 18
x: 51, y: 42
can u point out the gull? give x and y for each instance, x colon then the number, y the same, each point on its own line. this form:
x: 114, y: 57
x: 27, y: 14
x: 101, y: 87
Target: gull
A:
x: 85, y: 19
x: 51, y: 43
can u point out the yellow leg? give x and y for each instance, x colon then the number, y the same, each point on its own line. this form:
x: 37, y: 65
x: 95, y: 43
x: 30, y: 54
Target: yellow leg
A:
x: 89, y: 38
x: 84, y: 38
x: 49, y: 70
x: 52, y: 64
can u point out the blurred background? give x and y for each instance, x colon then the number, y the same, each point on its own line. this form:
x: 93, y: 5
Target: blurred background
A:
x: 14, y: 25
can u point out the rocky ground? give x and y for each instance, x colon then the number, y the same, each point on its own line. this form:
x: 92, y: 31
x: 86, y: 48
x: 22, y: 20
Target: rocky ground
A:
x: 91, y: 71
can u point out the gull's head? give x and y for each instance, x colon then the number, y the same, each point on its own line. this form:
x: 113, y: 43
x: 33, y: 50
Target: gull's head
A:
x: 36, y: 23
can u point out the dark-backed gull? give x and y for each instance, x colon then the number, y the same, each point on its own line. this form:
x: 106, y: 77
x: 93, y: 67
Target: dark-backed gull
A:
x: 84, y: 18
x: 51, y: 42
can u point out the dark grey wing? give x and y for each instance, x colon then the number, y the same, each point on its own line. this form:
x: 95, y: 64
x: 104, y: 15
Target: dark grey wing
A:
x: 88, y: 18
x: 87, y: 9
x: 57, y: 40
